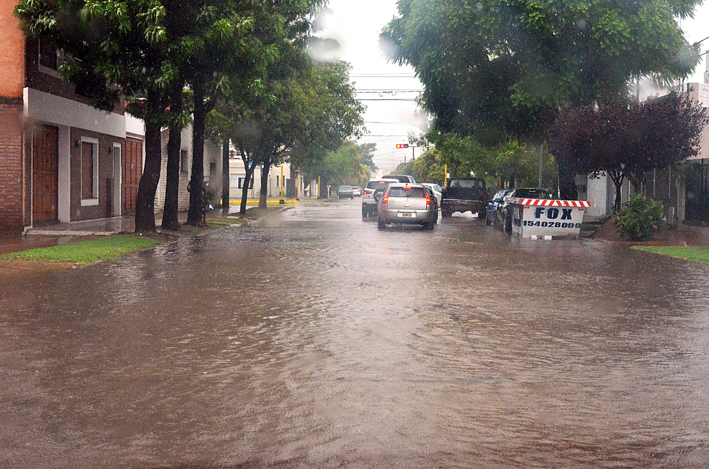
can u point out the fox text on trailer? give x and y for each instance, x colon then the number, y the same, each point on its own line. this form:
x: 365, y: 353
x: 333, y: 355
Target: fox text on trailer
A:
x: 544, y: 218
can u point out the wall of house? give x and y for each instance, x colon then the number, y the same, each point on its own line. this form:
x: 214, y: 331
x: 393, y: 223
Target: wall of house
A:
x: 12, y: 82
x: 12, y: 53
x: 103, y: 207
x: 11, y: 169
x: 212, y: 169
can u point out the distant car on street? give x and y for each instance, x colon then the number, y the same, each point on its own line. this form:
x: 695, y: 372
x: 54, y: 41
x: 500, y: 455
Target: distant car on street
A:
x: 357, y: 191
x: 407, y: 204
x: 373, y: 193
x: 402, y: 178
x: 436, y: 189
x: 503, y: 212
x: 345, y: 192
x: 463, y: 195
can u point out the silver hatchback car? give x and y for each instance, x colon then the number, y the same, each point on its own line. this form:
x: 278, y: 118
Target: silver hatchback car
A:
x: 407, y: 204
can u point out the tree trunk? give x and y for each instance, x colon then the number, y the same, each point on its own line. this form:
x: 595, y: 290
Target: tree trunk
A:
x: 145, y: 203
x: 226, y: 199
x: 247, y: 183
x: 172, y: 184
x: 263, y: 194
x: 174, y: 144
x: 197, y: 216
x: 617, y: 177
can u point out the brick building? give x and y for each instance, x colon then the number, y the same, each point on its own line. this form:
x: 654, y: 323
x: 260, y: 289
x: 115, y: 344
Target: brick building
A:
x: 61, y: 160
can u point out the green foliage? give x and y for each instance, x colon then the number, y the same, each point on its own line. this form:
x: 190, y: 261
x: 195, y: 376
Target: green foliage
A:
x: 691, y: 253
x: 86, y: 252
x: 351, y: 164
x: 511, y: 160
x: 640, y: 218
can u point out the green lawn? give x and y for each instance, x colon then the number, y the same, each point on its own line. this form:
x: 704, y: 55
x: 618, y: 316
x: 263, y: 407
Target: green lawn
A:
x: 86, y: 252
x: 690, y: 253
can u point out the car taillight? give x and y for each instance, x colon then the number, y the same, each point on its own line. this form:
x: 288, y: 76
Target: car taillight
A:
x: 428, y: 201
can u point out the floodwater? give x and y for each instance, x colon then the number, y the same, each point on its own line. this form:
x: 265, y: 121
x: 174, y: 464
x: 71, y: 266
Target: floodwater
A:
x: 314, y: 340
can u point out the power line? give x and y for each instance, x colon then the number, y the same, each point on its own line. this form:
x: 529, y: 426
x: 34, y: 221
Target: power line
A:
x: 386, y: 91
x: 384, y: 75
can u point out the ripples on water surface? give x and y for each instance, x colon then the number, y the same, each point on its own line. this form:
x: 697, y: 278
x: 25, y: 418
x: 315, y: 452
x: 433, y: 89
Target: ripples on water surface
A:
x: 314, y: 340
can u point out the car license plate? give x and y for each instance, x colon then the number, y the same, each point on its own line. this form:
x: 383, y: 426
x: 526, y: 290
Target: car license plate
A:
x: 405, y: 214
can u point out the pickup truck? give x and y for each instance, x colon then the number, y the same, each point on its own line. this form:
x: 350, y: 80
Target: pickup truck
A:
x: 462, y: 195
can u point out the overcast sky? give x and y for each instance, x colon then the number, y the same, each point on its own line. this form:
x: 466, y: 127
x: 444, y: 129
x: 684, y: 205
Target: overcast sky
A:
x: 356, y: 25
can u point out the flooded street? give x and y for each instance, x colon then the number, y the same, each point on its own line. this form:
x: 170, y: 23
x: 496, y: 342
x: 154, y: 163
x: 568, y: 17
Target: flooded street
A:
x: 311, y: 339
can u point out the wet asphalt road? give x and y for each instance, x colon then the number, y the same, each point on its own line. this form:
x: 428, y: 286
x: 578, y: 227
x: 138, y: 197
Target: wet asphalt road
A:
x: 314, y: 340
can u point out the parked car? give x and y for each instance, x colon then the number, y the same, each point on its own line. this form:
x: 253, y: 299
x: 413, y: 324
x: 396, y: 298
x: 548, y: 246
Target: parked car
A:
x: 373, y: 193
x: 405, y: 178
x: 357, y: 191
x: 495, y: 202
x: 407, y: 204
x: 503, y: 213
x: 345, y: 192
x: 462, y: 195
x: 436, y: 189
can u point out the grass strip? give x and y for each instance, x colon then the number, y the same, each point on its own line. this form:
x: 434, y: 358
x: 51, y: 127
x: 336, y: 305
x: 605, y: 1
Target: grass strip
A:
x: 691, y: 253
x: 86, y: 252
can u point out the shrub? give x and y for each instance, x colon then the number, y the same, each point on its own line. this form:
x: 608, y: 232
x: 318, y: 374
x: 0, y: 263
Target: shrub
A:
x: 640, y: 218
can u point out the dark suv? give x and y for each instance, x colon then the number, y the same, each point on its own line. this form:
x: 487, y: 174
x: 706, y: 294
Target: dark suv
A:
x: 462, y: 195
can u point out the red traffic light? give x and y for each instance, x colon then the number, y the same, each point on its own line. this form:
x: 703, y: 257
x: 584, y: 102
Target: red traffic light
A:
x: 402, y: 145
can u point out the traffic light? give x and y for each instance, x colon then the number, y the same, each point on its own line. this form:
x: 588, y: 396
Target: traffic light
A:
x: 402, y: 145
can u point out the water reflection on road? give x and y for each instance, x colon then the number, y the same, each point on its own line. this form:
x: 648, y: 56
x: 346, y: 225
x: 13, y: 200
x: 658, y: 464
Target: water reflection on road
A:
x: 314, y: 340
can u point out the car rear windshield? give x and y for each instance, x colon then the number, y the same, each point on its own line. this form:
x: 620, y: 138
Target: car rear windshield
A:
x: 377, y: 185
x: 532, y: 194
x: 468, y: 183
x: 410, y: 192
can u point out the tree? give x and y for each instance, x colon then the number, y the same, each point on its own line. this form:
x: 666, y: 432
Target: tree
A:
x: 333, y: 116
x: 350, y: 164
x: 218, y: 43
x: 626, y: 140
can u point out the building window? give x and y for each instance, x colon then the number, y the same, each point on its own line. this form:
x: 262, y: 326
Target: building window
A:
x: 278, y: 181
x: 89, y: 171
x: 49, y: 58
x: 242, y: 182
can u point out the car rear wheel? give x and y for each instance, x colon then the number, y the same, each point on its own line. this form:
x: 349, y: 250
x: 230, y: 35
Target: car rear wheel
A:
x: 381, y: 225
x: 446, y: 214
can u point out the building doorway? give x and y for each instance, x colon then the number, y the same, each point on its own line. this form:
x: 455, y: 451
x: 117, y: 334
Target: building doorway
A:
x: 45, y: 173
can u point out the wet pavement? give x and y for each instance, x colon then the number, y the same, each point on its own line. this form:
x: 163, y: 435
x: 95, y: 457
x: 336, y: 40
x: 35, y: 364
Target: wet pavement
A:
x: 311, y: 339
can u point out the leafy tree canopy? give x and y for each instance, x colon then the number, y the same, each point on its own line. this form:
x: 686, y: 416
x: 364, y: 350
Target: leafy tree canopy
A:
x: 350, y: 164
x: 494, y: 68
